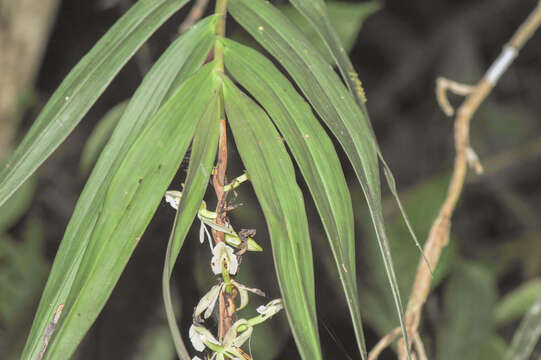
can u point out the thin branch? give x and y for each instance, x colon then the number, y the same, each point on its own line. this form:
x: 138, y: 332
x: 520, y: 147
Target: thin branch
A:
x: 383, y: 343
x: 197, y: 11
x: 438, y: 237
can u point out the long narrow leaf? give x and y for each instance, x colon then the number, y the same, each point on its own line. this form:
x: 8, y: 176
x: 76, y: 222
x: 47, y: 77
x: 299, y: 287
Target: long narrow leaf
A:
x: 316, y: 12
x: 335, y: 105
x: 201, y: 160
x: 132, y: 198
x: 82, y: 87
x: 315, y: 154
x: 174, y: 64
x: 273, y: 178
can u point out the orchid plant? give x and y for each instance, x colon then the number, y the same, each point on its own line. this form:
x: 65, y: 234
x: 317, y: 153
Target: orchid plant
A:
x: 203, y: 87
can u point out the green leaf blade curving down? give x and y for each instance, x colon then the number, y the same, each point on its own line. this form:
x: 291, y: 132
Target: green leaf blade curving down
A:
x: 318, y: 14
x: 332, y: 101
x: 179, y: 61
x: 315, y: 155
x: 202, y: 159
x: 315, y: 11
x: 135, y: 192
x: 273, y: 178
x: 346, y: 18
x: 82, y: 87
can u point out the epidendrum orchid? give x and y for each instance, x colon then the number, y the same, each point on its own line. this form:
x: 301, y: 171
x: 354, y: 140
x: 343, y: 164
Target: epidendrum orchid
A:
x: 225, y: 262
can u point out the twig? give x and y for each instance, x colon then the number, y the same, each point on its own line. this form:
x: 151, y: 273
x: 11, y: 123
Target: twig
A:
x: 438, y: 237
x: 197, y: 10
x: 383, y: 343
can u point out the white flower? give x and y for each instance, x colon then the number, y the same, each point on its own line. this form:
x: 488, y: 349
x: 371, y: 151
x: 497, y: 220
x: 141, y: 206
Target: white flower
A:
x: 199, y: 335
x: 223, y: 254
x: 173, y: 198
x: 208, y: 302
x: 269, y: 310
x: 243, y: 292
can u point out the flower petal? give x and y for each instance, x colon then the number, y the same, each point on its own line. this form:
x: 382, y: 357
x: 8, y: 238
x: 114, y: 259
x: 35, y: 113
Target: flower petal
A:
x: 173, y: 198
x: 208, y: 302
x: 224, y: 254
x: 196, y: 339
x: 271, y: 309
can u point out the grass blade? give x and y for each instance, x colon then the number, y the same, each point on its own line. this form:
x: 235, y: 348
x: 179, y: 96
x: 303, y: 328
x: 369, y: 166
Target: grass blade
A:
x: 82, y: 87
x: 135, y: 192
x: 315, y: 155
x: 202, y: 158
x: 273, y: 178
x: 335, y: 105
x: 180, y: 60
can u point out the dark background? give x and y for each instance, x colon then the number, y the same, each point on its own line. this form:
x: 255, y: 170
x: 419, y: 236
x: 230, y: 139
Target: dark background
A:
x: 399, y: 53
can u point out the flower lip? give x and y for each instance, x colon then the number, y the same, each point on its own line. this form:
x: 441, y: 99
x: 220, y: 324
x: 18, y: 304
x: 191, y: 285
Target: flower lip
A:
x: 224, y: 254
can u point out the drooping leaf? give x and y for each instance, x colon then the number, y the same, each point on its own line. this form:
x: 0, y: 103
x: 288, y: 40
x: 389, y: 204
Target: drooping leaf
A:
x: 180, y: 60
x: 82, y: 87
x: 318, y: 14
x: 201, y: 160
x: 528, y: 333
x: 334, y: 104
x: 135, y: 192
x: 101, y: 133
x: 346, y: 18
x: 273, y: 178
x: 315, y: 11
x: 470, y: 297
x: 315, y: 155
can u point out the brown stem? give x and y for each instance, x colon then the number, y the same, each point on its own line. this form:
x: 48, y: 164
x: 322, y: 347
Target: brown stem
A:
x: 226, y: 301
x: 438, y: 237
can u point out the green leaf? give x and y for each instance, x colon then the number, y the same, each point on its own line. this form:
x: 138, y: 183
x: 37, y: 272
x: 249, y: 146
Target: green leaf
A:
x: 316, y: 11
x: 334, y: 104
x: 202, y: 158
x: 273, y: 178
x: 516, y: 303
x: 346, y: 19
x: 82, y: 87
x: 315, y: 155
x: 469, y: 300
x: 99, y: 136
x: 135, y: 192
x: 527, y: 335
x: 180, y: 60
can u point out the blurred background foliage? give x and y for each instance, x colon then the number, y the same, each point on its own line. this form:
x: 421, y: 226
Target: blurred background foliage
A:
x: 489, y: 275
